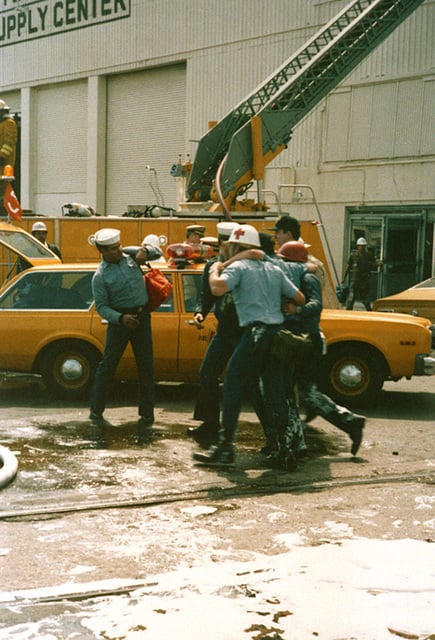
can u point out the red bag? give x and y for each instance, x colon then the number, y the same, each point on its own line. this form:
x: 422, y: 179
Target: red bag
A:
x: 158, y: 287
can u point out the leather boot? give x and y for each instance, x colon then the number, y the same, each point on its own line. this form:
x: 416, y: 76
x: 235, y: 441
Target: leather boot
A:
x: 284, y: 459
x: 218, y: 454
x: 353, y: 425
x: 205, y: 435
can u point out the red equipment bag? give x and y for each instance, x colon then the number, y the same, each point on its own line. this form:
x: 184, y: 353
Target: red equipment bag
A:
x: 158, y: 287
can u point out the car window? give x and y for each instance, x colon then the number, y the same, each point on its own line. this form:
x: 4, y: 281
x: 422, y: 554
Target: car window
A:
x: 191, y: 289
x: 54, y: 290
x: 27, y: 245
x: 168, y: 305
x: 426, y: 284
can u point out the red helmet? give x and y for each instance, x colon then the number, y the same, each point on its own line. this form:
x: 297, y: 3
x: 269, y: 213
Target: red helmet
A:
x: 294, y: 251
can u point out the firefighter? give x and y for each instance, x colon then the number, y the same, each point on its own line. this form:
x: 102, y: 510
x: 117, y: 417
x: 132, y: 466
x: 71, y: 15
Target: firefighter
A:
x: 121, y: 298
x: 8, y: 143
x: 194, y: 233
x: 257, y: 287
x: 40, y: 232
x: 306, y: 319
x: 287, y: 229
x: 359, y: 265
x: 207, y: 406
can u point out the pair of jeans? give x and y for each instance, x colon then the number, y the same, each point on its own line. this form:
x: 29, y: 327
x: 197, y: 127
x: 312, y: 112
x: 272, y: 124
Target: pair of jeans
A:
x: 117, y: 339
x: 220, y: 349
x: 252, y: 372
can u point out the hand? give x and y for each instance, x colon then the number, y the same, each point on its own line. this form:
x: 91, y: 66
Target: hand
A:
x: 130, y: 321
x: 198, y: 319
x: 216, y: 268
x: 289, y: 308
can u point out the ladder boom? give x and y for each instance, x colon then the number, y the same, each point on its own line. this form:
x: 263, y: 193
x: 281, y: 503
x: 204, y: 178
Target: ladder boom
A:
x: 288, y: 95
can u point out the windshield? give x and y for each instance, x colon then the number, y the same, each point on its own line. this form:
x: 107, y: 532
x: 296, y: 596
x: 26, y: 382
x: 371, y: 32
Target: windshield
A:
x: 426, y: 284
x: 25, y: 244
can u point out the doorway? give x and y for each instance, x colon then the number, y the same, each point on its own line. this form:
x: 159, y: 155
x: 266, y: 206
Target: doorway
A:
x: 398, y: 241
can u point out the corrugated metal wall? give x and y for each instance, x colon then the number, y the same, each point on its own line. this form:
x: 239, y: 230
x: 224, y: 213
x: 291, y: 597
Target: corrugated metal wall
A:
x: 146, y: 114
x: 59, y: 145
x: 191, y: 61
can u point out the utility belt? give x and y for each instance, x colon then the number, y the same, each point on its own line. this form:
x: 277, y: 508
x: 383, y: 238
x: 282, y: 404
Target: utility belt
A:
x: 257, y: 323
x: 133, y: 311
x: 260, y: 339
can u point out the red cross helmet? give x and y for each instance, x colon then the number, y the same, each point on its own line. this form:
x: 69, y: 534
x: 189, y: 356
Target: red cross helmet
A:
x: 246, y: 235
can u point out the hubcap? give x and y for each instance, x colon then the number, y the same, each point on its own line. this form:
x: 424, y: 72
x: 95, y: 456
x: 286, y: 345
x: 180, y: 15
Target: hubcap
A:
x: 72, y: 369
x: 350, y: 376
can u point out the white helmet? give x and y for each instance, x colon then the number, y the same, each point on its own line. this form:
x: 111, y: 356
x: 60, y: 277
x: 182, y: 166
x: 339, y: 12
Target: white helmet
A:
x: 39, y: 226
x: 245, y: 234
x: 154, y: 240
x: 361, y: 241
x: 4, y: 106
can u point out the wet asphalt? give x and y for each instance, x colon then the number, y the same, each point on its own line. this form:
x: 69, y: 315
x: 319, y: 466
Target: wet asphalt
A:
x: 88, y: 508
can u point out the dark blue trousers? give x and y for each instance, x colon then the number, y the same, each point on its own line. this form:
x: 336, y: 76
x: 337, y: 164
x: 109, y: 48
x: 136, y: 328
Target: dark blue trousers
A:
x: 254, y: 373
x: 117, y: 339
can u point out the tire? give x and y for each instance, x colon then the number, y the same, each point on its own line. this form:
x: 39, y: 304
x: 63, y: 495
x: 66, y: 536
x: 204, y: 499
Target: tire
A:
x: 68, y: 368
x: 352, y: 375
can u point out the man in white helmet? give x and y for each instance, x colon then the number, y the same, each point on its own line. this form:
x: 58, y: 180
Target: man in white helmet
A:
x: 207, y: 406
x: 40, y: 232
x: 359, y: 265
x: 8, y: 143
x: 257, y: 288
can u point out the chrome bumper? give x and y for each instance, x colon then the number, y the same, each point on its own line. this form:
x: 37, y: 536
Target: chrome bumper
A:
x: 425, y: 365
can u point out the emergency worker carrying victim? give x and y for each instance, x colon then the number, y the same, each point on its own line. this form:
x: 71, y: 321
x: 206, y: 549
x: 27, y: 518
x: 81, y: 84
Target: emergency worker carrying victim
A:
x: 257, y: 288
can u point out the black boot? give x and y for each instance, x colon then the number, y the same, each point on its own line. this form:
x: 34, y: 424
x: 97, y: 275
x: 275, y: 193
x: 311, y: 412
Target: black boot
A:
x: 205, y: 435
x: 353, y: 425
x: 218, y: 454
x: 285, y: 460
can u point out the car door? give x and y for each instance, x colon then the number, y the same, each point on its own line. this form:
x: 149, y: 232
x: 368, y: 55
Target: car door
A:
x: 193, y: 341
x: 39, y: 309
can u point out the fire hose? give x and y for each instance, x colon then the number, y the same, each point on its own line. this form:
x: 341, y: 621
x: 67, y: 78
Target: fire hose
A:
x: 8, y: 468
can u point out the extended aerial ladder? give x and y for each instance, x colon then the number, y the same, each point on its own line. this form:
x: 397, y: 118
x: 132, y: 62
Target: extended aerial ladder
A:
x: 238, y: 148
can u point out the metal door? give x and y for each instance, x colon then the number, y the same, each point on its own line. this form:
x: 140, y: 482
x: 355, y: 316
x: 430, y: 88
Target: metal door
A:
x: 403, y: 252
x: 397, y: 241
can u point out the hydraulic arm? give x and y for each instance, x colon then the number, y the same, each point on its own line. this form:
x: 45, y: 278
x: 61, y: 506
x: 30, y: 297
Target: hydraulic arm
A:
x: 238, y: 148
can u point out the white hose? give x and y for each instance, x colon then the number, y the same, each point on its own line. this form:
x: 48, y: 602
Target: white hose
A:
x: 9, y: 467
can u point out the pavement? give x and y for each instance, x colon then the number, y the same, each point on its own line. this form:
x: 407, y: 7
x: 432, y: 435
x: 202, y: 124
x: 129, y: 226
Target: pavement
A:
x: 105, y: 538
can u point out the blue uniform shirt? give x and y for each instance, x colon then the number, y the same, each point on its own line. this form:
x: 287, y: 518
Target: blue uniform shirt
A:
x: 118, y: 286
x: 257, y: 287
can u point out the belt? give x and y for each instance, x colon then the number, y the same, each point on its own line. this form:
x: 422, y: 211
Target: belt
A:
x: 257, y: 323
x: 132, y: 310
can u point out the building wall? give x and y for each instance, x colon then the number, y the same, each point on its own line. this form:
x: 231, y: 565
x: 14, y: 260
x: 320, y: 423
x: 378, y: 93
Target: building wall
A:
x: 104, y: 96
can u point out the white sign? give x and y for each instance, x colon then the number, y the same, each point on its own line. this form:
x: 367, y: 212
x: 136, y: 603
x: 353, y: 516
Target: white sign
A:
x: 27, y: 20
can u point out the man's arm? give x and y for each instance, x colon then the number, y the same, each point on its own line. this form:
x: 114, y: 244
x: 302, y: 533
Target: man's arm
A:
x: 298, y: 298
x: 247, y: 254
x: 218, y: 286
x: 290, y: 291
x: 313, y: 295
x: 205, y: 299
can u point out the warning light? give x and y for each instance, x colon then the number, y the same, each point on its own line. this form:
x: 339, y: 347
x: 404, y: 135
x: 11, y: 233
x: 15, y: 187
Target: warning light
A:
x: 183, y: 252
x: 8, y: 171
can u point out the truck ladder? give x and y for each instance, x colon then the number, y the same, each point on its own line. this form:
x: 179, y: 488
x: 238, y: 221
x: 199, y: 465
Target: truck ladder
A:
x: 289, y: 94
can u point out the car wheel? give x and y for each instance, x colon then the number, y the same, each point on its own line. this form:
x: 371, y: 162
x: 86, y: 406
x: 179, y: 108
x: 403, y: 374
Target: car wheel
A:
x: 352, y: 375
x: 68, y: 368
